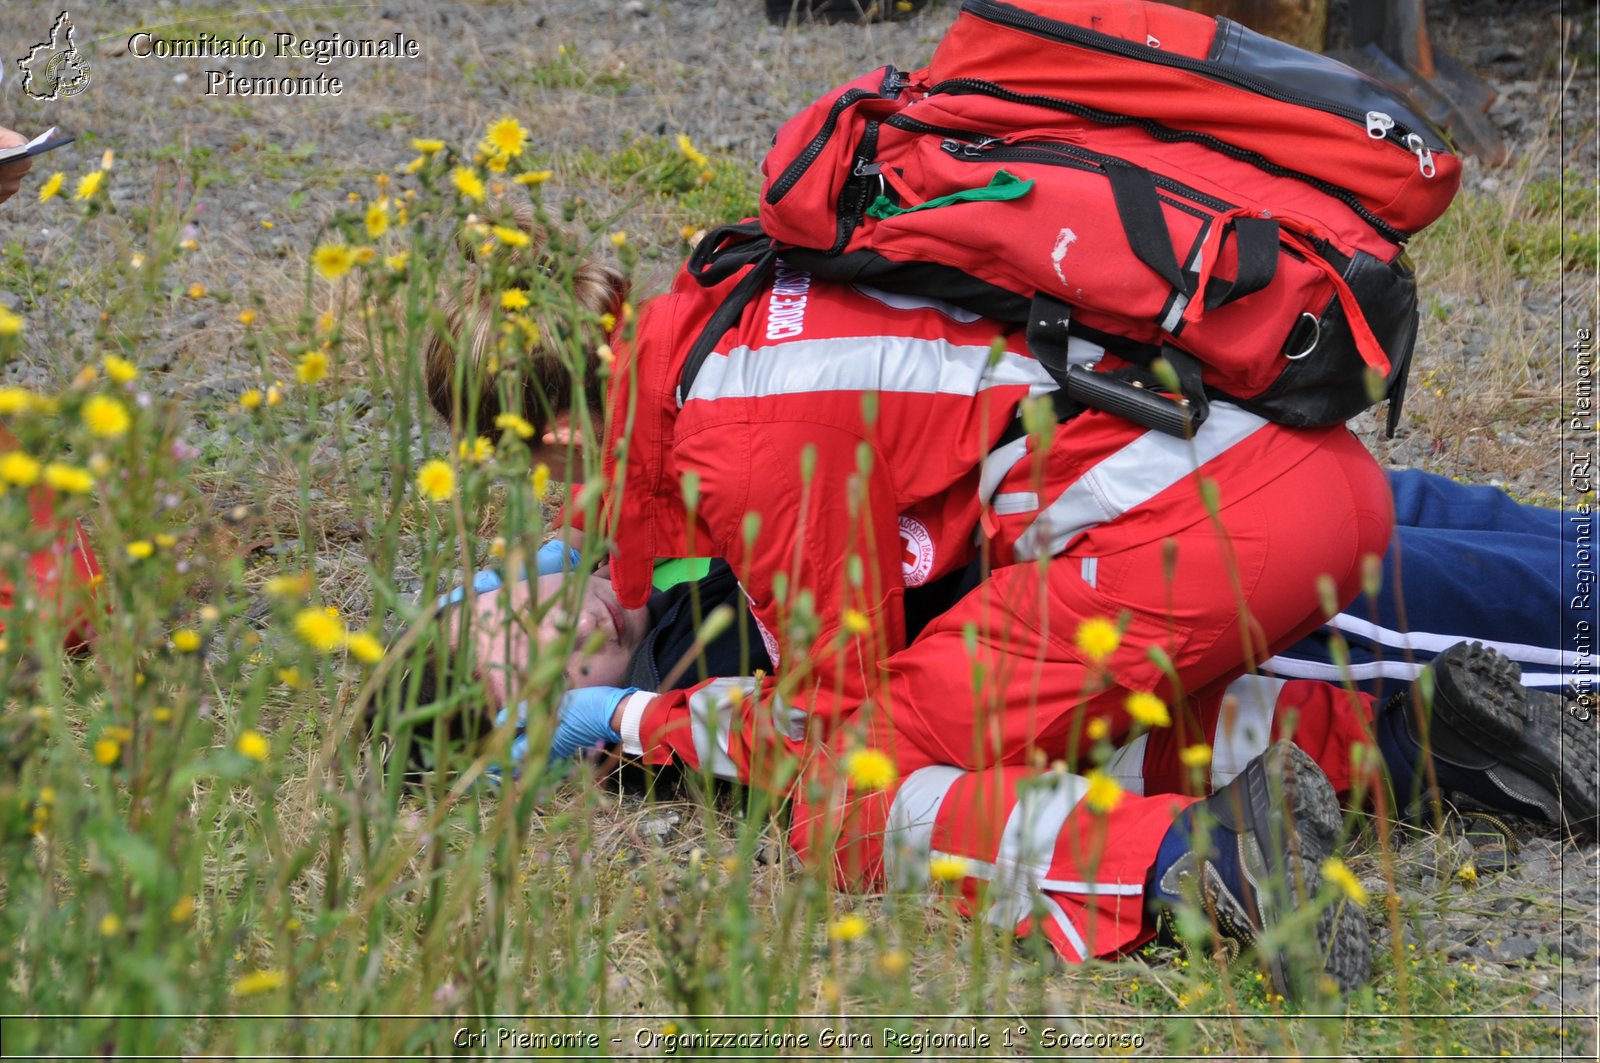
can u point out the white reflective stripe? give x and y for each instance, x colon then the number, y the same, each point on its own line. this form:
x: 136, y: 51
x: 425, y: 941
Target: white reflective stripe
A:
x: 997, y: 465
x: 1093, y: 889
x: 632, y: 717
x: 1247, y: 734
x: 1029, y: 840
x: 908, y: 835
x: 1126, y: 765
x: 894, y: 364
x: 1294, y: 668
x: 1090, y: 570
x: 1130, y: 477
x: 711, y: 716
x: 1011, y: 502
x: 1434, y: 642
x: 1067, y: 929
x: 1180, y: 301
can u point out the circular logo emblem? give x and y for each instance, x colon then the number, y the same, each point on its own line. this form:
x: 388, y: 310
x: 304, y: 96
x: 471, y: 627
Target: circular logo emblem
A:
x: 916, y: 551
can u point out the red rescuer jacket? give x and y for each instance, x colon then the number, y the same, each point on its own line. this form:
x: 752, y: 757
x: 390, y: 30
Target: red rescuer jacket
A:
x: 837, y: 446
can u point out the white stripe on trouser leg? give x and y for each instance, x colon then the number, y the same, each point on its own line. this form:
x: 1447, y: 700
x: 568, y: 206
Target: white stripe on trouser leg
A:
x: 908, y: 837
x: 1126, y: 765
x: 1059, y: 914
x: 1245, y: 733
x: 711, y: 714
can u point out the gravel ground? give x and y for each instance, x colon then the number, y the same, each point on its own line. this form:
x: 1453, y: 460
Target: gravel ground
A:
x: 715, y: 70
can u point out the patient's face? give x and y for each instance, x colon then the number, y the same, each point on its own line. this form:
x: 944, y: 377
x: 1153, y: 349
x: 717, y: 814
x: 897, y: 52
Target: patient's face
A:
x: 503, y: 647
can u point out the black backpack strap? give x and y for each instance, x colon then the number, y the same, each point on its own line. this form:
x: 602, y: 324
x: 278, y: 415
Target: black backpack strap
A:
x: 727, y: 315
x: 1257, y: 240
x: 726, y: 250
x: 1134, y: 190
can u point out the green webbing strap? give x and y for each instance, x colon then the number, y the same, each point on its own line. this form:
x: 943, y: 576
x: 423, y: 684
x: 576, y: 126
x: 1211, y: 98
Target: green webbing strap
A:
x: 1001, y: 187
x: 676, y: 570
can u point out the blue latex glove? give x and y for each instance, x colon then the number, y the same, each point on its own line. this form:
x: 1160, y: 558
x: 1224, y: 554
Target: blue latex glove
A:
x: 583, y: 721
x: 554, y: 556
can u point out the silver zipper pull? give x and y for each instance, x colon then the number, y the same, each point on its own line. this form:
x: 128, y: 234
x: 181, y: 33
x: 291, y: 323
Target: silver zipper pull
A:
x: 1378, y: 125
x: 1151, y: 41
x: 1423, y: 154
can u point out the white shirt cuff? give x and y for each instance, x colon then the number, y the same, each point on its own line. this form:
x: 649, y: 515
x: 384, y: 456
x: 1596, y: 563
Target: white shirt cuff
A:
x: 632, y: 717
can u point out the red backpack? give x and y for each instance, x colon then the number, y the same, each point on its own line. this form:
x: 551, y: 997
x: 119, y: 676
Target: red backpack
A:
x: 1169, y: 183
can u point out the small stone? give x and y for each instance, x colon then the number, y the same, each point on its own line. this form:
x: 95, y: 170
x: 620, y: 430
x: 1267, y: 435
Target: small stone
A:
x: 1514, y: 949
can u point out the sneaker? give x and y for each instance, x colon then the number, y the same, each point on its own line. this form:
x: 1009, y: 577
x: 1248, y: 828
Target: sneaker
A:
x: 1271, y: 829
x: 1496, y: 745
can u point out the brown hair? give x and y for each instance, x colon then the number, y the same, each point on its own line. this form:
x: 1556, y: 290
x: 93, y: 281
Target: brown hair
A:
x: 569, y: 293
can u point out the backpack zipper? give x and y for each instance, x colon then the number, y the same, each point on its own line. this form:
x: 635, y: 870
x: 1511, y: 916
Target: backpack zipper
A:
x: 958, y: 86
x: 1056, y: 154
x: 1006, y: 15
x: 893, y: 83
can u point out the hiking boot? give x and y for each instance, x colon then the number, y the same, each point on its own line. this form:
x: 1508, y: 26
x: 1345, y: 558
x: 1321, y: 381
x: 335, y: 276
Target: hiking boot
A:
x: 1271, y: 829
x: 1496, y: 745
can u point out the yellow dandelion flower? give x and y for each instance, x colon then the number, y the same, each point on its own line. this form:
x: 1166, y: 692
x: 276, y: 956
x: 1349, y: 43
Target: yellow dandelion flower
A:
x: 1097, y: 729
x: 294, y: 585
x: 377, y: 220
x: 415, y: 164
x: 166, y: 540
x: 257, y: 982
x: 290, y: 677
x: 317, y: 629
x: 948, y: 868
x: 608, y: 321
x: 1196, y: 756
x: 250, y: 399
x: 16, y: 400
x: 514, y: 299
x: 1468, y: 874
x: 268, y: 223
x: 541, y: 479
x: 365, y: 647
x: 183, y: 910
x: 18, y: 469
x: 105, y: 417
x: 692, y: 153
x: 190, y: 244
x: 478, y: 450
x: 185, y: 640
x: 364, y: 255
x: 1103, y: 793
x: 468, y: 183
x: 1148, y: 709
x: 313, y: 368
x: 247, y: 317
x: 619, y: 238
x: 196, y: 290
x: 140, y: 549
x: 396, y: 263
x: 511, y: 422
x: 870, y: 769
x: 274, y: 395
x: 436, y: 480
x: 333, y: 260
x: 497, y: 163
x: 1335, y: 871
x: 847, y: 928
x: 68, y: 479
x: 109, y: 924
x: 161, y: 714
x: 10, y: 324
x: 427, y: 145
x: 512, y: 237
x: 1098, y: 638
x: 856, y: 622
x: 52, y: 187
x: 505, y: 137
x: 107, y: 752
x: 119, y: 369
x: 89, y: 184
x: 534, y: 177
x: 254, y: 745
